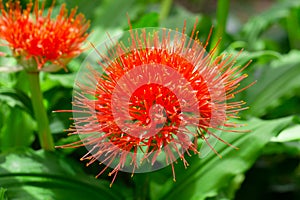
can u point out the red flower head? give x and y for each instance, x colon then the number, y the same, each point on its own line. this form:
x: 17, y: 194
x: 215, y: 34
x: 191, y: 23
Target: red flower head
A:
x: 149, y: 97
x: 37, y: 39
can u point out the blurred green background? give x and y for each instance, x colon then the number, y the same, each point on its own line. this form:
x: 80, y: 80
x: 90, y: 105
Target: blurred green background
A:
x: 265, y: 167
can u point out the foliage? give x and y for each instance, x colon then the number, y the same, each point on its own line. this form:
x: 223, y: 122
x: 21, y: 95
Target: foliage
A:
x: 270, y: 39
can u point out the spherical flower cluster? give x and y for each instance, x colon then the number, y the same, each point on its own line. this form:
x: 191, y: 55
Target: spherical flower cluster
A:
x: 36, y: 38
x: 157, y: 94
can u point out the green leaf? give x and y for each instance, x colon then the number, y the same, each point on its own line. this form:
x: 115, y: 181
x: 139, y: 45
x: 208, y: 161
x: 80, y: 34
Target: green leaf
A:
x: 44, y: 175
x: 293, y: 27
x: 61, y: 80
x: 114, y: 13
x: 259, y: 23
x: 10, y: 69
x: 180, y: 15
x: 110, y: 18
x: 7, y: 64
x: 288, y: 135
x: 16, y: 98
x: 280, y: 78
x: 17, y: 130
x: 147, y: 20
x: 244, y: 57
x: 285, y: 148
x: 2, y: 194
x: 207, y: 176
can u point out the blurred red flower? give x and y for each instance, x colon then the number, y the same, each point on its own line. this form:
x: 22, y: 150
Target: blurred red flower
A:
x: 36, y: 39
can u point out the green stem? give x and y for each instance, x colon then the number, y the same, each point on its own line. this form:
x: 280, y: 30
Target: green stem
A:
x: 165, y: 9
x: 40, y: 113
x: 222, y: 14
x: 142, y: 186
x: 293, y: 26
